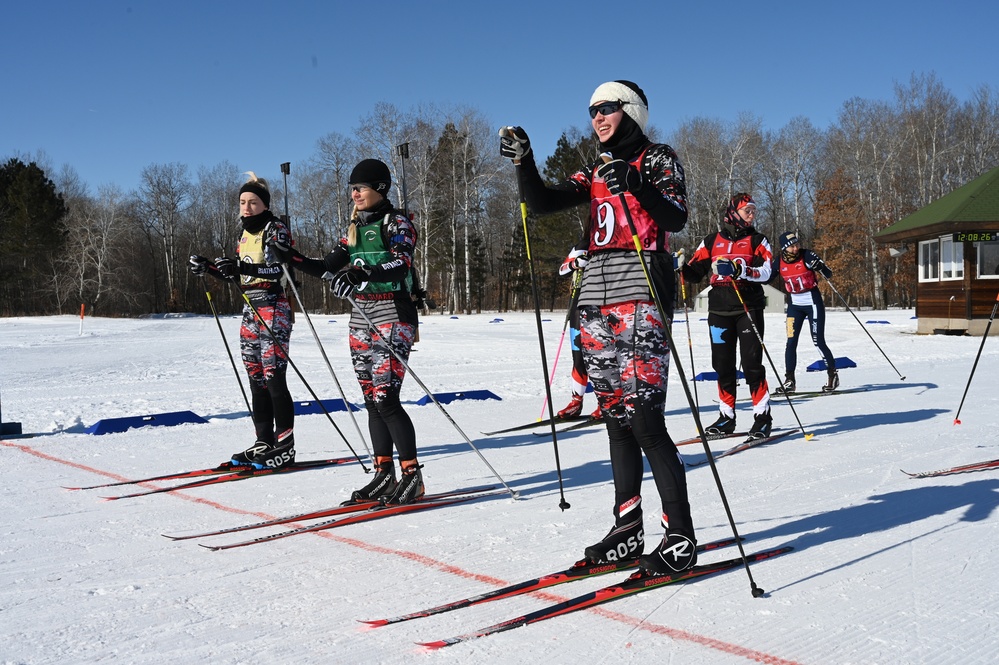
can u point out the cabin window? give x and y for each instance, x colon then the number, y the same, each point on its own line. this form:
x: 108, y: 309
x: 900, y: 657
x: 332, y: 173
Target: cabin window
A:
x: 951, y: 259
x: 941, y: 259
x: 988, y: 259
x: 929, y: 261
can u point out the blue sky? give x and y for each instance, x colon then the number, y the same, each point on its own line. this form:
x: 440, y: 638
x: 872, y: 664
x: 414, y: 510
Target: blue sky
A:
x: 111, y: 87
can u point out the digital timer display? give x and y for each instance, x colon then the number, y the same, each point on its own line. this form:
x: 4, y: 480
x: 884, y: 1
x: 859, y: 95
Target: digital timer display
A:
x: 976, y: 236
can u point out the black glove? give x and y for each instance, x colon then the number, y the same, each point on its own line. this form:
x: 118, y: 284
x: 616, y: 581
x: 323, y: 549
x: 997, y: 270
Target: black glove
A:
x: 727, y: 268
x: 277, y: 238
x: 514, y: 143
x: 620, y: 177
x: 345, y: 282
x: 198, y: 265
x: 818, y: 265
x: 227, y: 267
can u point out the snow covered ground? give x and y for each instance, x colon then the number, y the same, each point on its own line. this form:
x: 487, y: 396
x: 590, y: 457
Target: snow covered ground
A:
x: 886, y: 569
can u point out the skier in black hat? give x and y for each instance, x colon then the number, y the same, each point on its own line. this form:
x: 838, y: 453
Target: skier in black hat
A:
x: 372, y: 265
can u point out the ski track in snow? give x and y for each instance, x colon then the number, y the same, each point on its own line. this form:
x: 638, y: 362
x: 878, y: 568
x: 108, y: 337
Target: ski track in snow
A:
x: 886, y: 569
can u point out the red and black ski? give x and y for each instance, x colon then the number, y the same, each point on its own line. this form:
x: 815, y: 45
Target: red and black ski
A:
x: 590, y: 421
x: 243, y: 474
x: 637, y: 583
x: 537, y: 423
x: 745, y: 445
x: 316, y: 514
x: 579, y: 571
x: 374, y: 513
x: 710, y: 437
x: 226, y: 467
x: 964, y: 468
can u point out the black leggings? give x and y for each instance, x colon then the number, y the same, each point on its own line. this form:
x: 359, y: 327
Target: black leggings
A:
x: 273, y: 409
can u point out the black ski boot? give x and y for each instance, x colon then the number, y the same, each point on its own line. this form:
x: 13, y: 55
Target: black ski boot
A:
x: 245, y: 457
x: 410, y: 487
x: 724, y: 425
x: 833, y: 382
x: 623, y: 542
x: 383, y: 484
x: 787, y: 387
x: 763, y: 424
x: 276, y: 455
x: 676, y: 553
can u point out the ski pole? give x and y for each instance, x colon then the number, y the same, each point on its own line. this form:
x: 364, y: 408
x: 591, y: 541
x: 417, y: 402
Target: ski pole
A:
x: 374, y: 330
x: 957, y: 417
x: 686, y: 317
x: 755, y: 590
x: 573, y: 299
x: 226, y: 345
x: 329, y: 365
x: 284, y: 350
x: 845, y: 304
x: 756, y: 330
x: 563, y: 504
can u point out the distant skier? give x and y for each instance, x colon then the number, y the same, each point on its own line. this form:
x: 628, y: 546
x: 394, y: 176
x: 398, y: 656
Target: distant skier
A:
x: 265, y: 356
x: 797, y: 268
x: 736, y: 256
x: 623, y: 332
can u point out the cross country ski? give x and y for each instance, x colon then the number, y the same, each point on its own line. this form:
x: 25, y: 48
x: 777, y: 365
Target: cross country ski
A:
x: 964, y: 468
x: 745, y: 445
x: 636, y: 583
x: 243, y: 474
x: 342, y: 509
x: 537, y: 423
x: 579, y: 571
x: 376, y: 512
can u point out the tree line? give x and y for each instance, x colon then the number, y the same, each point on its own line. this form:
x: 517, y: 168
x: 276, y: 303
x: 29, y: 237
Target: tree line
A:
x: 124, y: 253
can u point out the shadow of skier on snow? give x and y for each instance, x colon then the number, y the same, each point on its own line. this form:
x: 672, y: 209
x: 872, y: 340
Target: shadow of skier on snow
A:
x: 854, y: 422
x: 977, y: 500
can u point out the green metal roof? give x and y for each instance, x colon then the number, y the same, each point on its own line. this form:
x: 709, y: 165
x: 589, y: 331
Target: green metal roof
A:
x: 971, y: 207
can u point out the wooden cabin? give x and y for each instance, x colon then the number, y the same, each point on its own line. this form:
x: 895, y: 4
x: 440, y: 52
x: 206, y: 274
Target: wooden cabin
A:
x: 957, y: 257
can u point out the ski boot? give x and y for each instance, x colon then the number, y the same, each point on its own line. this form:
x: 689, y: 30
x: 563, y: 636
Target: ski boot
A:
x: 573, y: 409
x: 410, y: 486
x: 622, y: 542
x: 276, y: 455
x: 724, y: 425
x: 676, y: 553
x: 245, y: 457
x: 383, y: 484
x: 787, y: 387
x: 833, y: 382
x: 763, y: 424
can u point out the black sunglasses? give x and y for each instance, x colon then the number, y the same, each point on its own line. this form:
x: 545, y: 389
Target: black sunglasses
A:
x: 606, y: 108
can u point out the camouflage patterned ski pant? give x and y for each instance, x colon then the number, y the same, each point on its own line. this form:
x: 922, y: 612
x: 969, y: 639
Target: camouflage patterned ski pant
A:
x: 626, y: 355
x: 262, y: 355
x: 380, y: 376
